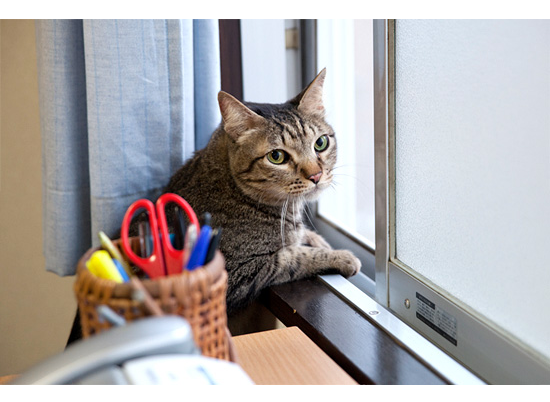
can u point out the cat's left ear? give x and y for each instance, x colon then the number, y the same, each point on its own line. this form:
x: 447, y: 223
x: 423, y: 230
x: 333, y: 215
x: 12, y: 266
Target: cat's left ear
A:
x: 237, y: 118
x: 310, y: 100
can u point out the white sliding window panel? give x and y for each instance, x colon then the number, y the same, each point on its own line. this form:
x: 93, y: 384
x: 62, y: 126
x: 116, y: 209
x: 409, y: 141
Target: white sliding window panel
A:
x: 470, y: 183
x: 264, y: 61
x: 344, y: 48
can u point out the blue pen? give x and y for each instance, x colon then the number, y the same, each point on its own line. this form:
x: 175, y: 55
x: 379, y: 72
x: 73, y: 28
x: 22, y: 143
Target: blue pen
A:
x: 198, y: 256
x: 121, y: 270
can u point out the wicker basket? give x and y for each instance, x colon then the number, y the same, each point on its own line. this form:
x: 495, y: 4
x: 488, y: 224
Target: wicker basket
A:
x: 198, y: 296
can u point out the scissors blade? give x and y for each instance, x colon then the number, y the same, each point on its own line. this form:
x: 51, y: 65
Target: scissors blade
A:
x: 153, y: 264
x: 173, y: 258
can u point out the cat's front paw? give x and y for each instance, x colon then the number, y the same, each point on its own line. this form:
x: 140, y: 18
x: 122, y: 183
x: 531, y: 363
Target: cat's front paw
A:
x: 346, y: 263
x: 313, y: 239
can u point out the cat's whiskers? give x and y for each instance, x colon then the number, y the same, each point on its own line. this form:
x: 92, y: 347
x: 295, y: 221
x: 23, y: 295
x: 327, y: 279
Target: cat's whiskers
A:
x: 294, y: 212
x: 309, y: 214
x: 361, y: 184
x: 355, y: 165
x: 350, y: 176
x: 283, y: 219
x: 333, y: 185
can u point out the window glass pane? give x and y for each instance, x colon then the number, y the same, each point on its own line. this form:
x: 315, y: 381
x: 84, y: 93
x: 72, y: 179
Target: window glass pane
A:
x: 344, y: 47
x: 264, y: 60
x: 472, y: 191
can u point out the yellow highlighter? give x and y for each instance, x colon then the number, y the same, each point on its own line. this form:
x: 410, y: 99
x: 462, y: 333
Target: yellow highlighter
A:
x: 101, y: 265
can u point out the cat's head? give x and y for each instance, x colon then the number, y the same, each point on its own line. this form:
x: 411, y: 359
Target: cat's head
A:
x: 280, y: 152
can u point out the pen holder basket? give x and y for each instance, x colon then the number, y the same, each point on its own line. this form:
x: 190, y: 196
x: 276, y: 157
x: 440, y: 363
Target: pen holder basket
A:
x: 198, y: 296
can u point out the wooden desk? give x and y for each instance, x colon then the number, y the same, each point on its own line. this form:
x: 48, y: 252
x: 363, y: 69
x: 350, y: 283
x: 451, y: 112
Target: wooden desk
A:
x: 282, y: 357
x: 287, y: 357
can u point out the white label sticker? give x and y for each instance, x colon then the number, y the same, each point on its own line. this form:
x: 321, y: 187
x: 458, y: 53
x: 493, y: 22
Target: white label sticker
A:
x: 436, y: 318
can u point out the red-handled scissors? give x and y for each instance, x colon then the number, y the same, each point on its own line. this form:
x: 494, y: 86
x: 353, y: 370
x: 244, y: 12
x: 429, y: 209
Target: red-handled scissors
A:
x: 165, y: 259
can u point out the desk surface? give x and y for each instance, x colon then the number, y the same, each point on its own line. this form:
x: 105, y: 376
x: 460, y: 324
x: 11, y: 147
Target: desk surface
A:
x: 282, y: 357
x: 7, y: 378
x: 287, y: 357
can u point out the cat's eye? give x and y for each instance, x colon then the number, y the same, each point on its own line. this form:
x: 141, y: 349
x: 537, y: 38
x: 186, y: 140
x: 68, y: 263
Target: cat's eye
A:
x: 321, y: 144
x: 277, y: 156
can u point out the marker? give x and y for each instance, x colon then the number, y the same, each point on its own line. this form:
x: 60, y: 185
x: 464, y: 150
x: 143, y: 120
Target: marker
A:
x: 108, y: 245
x: 101, y: 265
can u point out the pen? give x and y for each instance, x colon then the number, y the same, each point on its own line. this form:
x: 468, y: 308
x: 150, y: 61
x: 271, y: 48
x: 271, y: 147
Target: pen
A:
x: 107, y: 313
x: 125, y: 276
x: 148, y: 240
x: 142, y: 240
x: 101, y: 265
x: 198, y: 255
x: 141, y: 294
x: 216, y: 236
x: 206, y: 219
x: 190, y: 239
x: 178, y: 242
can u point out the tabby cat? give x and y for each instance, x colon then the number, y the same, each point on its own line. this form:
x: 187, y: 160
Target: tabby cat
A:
x: 261, y: 166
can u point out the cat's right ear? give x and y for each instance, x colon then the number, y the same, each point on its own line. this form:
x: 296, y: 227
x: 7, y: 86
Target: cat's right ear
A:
x: 237, y: 118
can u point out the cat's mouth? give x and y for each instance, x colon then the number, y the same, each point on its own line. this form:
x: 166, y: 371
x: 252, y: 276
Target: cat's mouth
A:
x: 298, y: 190
x: 311, y: 192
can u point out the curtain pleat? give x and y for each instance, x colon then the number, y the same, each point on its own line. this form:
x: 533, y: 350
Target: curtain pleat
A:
x: 123, y: 104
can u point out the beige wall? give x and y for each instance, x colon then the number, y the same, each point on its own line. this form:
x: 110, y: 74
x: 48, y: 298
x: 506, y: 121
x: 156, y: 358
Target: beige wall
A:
x: 36, y: 307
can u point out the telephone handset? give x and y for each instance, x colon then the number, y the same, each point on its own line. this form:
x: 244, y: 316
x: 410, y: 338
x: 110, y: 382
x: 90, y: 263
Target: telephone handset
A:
x: 152, y: 350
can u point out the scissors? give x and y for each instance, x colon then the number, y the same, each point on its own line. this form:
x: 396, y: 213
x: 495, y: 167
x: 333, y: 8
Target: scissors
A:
x: 164, y: 259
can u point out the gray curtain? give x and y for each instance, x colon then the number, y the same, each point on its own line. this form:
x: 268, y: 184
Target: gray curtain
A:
x: 123, y: 104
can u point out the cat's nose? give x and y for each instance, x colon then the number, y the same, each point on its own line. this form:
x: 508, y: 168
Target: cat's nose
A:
x: 315, y: 177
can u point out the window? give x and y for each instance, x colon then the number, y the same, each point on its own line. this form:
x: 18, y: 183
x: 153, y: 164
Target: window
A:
x: 291, y: 53
x: 344, y: 47
x: 452, y: 118
x: 465, y: 124
x: 345, y: 214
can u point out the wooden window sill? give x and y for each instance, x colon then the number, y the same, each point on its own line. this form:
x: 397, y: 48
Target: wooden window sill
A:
x: 356, y: 343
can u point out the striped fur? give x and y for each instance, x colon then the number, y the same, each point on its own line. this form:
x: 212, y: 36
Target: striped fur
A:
x: 259, y: 204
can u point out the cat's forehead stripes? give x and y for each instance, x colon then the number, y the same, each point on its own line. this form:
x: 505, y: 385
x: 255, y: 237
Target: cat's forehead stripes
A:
x: 292, y: 128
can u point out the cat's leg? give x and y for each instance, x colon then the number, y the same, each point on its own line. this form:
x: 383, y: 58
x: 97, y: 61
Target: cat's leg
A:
x: 291, y: 263
x: 299, y: 262
x: 314, y: 240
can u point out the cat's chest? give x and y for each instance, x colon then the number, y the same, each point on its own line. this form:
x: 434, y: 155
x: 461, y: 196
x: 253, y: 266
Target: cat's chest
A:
x: 258, y: 232
x: 293, y: 231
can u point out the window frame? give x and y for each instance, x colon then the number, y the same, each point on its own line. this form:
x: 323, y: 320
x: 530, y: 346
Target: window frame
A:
x: 489, y: 352
x: 336, y: 236
x: 332, y: 310
x: 373, y: 281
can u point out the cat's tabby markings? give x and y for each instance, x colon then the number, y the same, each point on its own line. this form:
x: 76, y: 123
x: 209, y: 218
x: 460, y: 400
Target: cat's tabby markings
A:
x: 261, y: 166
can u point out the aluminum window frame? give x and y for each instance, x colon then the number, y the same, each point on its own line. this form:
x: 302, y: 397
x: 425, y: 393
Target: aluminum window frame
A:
x: 359, y: 291
x: 336, y: 236
x: 486, y: 350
